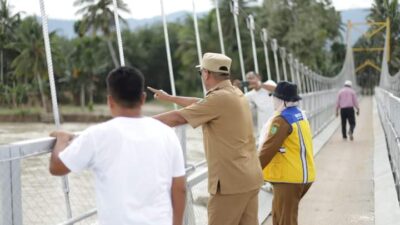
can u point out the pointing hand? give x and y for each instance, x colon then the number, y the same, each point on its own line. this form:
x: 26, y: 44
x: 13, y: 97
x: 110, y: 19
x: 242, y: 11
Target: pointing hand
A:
x: 159, y: 94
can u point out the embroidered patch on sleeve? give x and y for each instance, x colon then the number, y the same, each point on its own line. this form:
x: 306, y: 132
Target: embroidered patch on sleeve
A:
x: 274, y: 129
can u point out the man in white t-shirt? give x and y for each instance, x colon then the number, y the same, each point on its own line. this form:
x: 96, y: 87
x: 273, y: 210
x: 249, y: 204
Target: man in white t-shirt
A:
x: 259, y: 99
x: 137, y: 161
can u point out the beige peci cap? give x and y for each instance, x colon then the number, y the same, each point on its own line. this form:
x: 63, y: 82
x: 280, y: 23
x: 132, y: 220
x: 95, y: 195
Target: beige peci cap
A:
x: 270, y: 82
x: 215, y: 62
x: 348, y: 83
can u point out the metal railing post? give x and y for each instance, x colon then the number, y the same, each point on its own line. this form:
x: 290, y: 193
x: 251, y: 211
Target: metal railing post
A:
x: 297, y: 66
x: 264, y: 39
x: 308, y: 79
x: 10, y: 184
x: 302, y: 78
x: 290, y: 60
x: 181, y: 133
x: 275, y: 46
x: 313, y: 81
x: 282, y: 53
x: 235, y: 12
x: 6, y: 188
x: 251, y: 27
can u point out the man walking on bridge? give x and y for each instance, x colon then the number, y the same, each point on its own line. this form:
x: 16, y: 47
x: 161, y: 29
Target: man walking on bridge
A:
x: 287, y: 155
x: 234, y: 172
x: 346, y: 102
x: 137, y: 161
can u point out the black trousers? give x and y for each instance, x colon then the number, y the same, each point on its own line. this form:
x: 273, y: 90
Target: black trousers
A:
x: 347, y: 114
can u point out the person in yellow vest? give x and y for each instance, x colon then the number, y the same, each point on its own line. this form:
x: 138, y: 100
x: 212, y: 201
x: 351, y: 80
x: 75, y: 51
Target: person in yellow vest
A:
x: 286, y: 155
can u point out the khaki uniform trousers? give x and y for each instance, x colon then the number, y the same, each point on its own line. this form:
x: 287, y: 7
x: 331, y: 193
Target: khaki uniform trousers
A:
x: 233, y: 209
x: 285, y: 205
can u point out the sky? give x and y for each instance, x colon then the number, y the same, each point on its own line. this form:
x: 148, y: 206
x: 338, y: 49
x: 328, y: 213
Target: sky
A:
x: 63, y: 9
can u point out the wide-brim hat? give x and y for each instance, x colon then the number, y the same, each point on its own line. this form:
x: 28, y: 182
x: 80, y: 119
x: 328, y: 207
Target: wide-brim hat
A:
x: 286, y: 91
x: 215, y: 62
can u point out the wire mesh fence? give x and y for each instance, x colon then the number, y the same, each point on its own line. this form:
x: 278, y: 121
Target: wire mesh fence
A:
x: 5, y: 189
x: 319, y: 108
x: 389, y: 108
x: 197, y: 198
x: 197, y: 195
x: 29, y: 194
x: 42, y: 196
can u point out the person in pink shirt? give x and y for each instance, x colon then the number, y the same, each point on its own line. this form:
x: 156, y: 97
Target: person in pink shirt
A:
x: 346, y: 102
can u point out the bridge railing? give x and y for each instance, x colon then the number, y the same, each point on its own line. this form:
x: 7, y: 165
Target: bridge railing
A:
x: 320, y: 108
x: 30, y: 195
x: 389, y: 113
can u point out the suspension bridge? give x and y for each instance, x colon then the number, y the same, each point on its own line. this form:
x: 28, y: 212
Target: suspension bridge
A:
x: 357, y: 182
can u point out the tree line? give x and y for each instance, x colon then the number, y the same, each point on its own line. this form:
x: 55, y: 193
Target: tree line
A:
x: 310, y: 29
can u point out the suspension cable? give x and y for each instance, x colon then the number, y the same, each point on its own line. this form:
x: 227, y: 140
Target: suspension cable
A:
x: 220, y: 35
x: 242, y: 13
x: 118, y: 31
x: 168, y: 50
x: 56, y: 114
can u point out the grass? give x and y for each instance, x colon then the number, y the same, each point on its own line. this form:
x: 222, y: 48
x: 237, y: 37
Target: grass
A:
x: 20, y: 111
x: 98, y: 109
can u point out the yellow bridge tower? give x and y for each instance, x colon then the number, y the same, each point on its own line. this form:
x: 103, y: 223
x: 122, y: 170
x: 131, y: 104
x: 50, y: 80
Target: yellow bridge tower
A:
x: 377, y: 28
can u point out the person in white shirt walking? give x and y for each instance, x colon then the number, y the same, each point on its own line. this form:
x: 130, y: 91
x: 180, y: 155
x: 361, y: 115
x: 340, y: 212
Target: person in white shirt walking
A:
x: 137, y: 161
x: 259, y: 99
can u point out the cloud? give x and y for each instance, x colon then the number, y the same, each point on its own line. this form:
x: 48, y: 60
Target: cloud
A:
x: 351, y: 4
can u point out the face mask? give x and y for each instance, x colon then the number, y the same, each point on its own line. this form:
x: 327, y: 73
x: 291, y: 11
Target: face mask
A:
x: 278, y: 104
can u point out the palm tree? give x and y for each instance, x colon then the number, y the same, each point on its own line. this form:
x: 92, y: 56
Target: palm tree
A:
x: 31, y: 60
x: 76, y: 59
x: 98, y: 15
x: 8, y: 22
x: 87, y: 64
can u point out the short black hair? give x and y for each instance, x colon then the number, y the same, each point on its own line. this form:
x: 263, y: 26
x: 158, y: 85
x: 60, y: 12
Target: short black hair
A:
x: 126, y: 85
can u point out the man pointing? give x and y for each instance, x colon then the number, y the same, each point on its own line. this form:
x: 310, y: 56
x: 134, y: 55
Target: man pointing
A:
x: 234, y: 172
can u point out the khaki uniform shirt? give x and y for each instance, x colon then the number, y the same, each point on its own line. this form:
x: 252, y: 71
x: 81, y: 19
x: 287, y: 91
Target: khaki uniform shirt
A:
x: 230, y: 149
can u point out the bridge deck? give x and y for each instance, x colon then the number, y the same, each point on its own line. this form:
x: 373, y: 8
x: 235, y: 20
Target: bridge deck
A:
x: 344, y: 190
